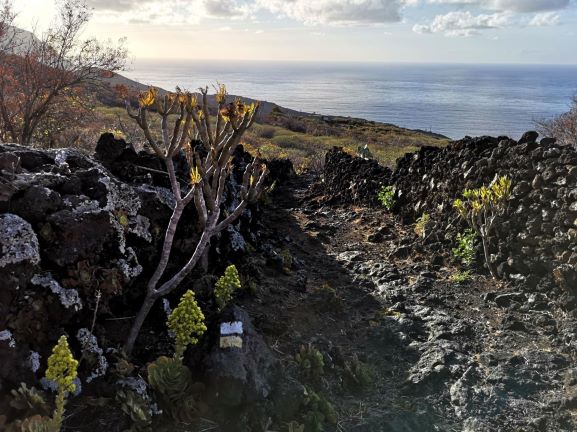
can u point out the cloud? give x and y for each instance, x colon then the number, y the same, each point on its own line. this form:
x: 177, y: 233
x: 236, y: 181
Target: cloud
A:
x: 509, y: 5
x: 459, y: 23
x: 171, y: 11
x: 224, y: 8
x: 117, y: 5
x: 338, y: 12
x: 545, y: 19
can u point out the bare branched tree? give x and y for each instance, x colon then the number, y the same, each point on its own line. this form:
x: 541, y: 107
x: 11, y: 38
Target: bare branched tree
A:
x: 563, y: 127
x: 38, y: 72
x: 210, y: 169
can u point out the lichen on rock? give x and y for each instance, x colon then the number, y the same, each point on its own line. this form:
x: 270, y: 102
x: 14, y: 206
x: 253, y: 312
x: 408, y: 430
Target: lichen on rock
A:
x: 69, y: 298
x: 18, y: 241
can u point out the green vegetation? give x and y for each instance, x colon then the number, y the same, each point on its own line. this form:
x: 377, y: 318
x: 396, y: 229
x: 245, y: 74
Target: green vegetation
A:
x: 186, y: 323
x: 387, y: 197
x: 421, y: 225
x: 461, y: 276
x: 465, y: 250
x: 481, y: 208
x: 318, y: 412
x: 168, y: 377
x: 62, y: 372
x: 226, y: 286
x: 305, y: 145
x: 357, y: 376
x: 311, y: 362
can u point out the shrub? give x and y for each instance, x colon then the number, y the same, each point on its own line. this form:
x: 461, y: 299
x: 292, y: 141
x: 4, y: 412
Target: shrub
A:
x: 465, y: 250
x: 266, y: 132
x: 210, y: 169
x: 481, y: 208
x: 421, y: 225
x: 226, y: 286
x: 387, y: 197
x: 563, y: 127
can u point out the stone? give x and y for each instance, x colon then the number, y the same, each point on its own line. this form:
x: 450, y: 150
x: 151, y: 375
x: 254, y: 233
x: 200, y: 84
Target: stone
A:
x: 244, y: 375
x: 529, y: 137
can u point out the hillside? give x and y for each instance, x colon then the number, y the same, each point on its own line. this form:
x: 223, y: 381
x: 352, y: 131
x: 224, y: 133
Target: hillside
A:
x: 351, y: 319
x: 283, y: 132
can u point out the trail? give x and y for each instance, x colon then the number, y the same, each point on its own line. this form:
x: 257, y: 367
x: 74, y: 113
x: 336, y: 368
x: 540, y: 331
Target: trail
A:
x: 478, y: 356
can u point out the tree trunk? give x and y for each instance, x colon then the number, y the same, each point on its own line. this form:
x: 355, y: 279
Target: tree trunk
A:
x: 137, y: 325
x: 488, y: 256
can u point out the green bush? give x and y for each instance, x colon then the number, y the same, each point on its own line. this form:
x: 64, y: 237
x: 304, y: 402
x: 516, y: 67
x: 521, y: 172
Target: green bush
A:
x: 465, y: 250
x: 422, y: 224
x: 387, y: 197
x: 482, y: 208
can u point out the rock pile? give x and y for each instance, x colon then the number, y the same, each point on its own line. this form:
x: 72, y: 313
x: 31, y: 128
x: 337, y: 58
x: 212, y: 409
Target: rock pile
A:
x: 352, y: 180
x: 74, y: 229
x: 537, y: 237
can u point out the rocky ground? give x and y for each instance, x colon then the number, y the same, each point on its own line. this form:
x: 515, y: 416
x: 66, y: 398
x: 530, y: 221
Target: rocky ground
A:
x: 351, y: 321
x: 443, y: 356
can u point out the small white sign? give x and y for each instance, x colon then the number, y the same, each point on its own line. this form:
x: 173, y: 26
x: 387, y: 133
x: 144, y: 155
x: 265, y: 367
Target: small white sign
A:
x: 231, y: 328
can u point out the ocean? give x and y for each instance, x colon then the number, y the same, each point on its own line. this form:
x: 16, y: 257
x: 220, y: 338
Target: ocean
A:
x: 453, y: 100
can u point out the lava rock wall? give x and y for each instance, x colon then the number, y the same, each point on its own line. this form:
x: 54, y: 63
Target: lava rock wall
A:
x: 76, y: 230
x: 537, y: 237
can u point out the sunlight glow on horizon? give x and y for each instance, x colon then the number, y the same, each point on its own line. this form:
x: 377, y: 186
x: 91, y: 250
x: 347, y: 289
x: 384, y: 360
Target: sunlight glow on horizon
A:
x: 405, y: 31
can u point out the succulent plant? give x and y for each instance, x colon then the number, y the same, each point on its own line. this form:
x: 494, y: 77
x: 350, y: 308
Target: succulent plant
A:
x: 225, y: 287
x: 137, y: 408
x: 30, y: 400
x: 36, y: 423
x: 62, y: 369
x: 170, y: 379
x: 187, y: 323
x: 318, y: 412
x: 311, y: 362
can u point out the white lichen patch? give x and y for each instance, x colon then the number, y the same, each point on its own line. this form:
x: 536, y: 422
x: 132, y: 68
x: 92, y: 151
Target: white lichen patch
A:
x: 237, y: 241
x: 87, y: 205
x: 119, y: 231
x: 18, y: 241
x: 34, y: 361
x: 6, y: 336
x: 51, y: 386
x: 137, y: 385
x: 120, y: 196
x: 140, y: 226
x: 69, y: 298
x: 129, y: 266
x: 166, y: 307
x: 90, y: 348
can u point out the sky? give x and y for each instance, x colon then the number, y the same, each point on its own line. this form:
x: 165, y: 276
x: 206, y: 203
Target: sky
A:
x: 415, y: 31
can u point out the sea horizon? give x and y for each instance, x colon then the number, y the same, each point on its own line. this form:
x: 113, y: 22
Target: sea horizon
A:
x: 453, y: 99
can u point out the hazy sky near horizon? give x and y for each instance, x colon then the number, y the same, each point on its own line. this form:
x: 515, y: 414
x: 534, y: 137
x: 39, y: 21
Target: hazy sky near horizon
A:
x: 459, y: 31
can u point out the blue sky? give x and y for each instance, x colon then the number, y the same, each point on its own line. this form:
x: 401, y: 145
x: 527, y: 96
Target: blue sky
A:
x: 457, y: 31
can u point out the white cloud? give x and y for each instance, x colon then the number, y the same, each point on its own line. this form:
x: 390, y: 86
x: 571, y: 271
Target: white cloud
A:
x: 459, y: 23
x: 544, y: 19
x: 510, y: 5
x: 170, y: 11
x: 338, y: 12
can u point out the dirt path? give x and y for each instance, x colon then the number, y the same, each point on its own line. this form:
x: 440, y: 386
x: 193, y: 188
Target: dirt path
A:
x: 441, y: 356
